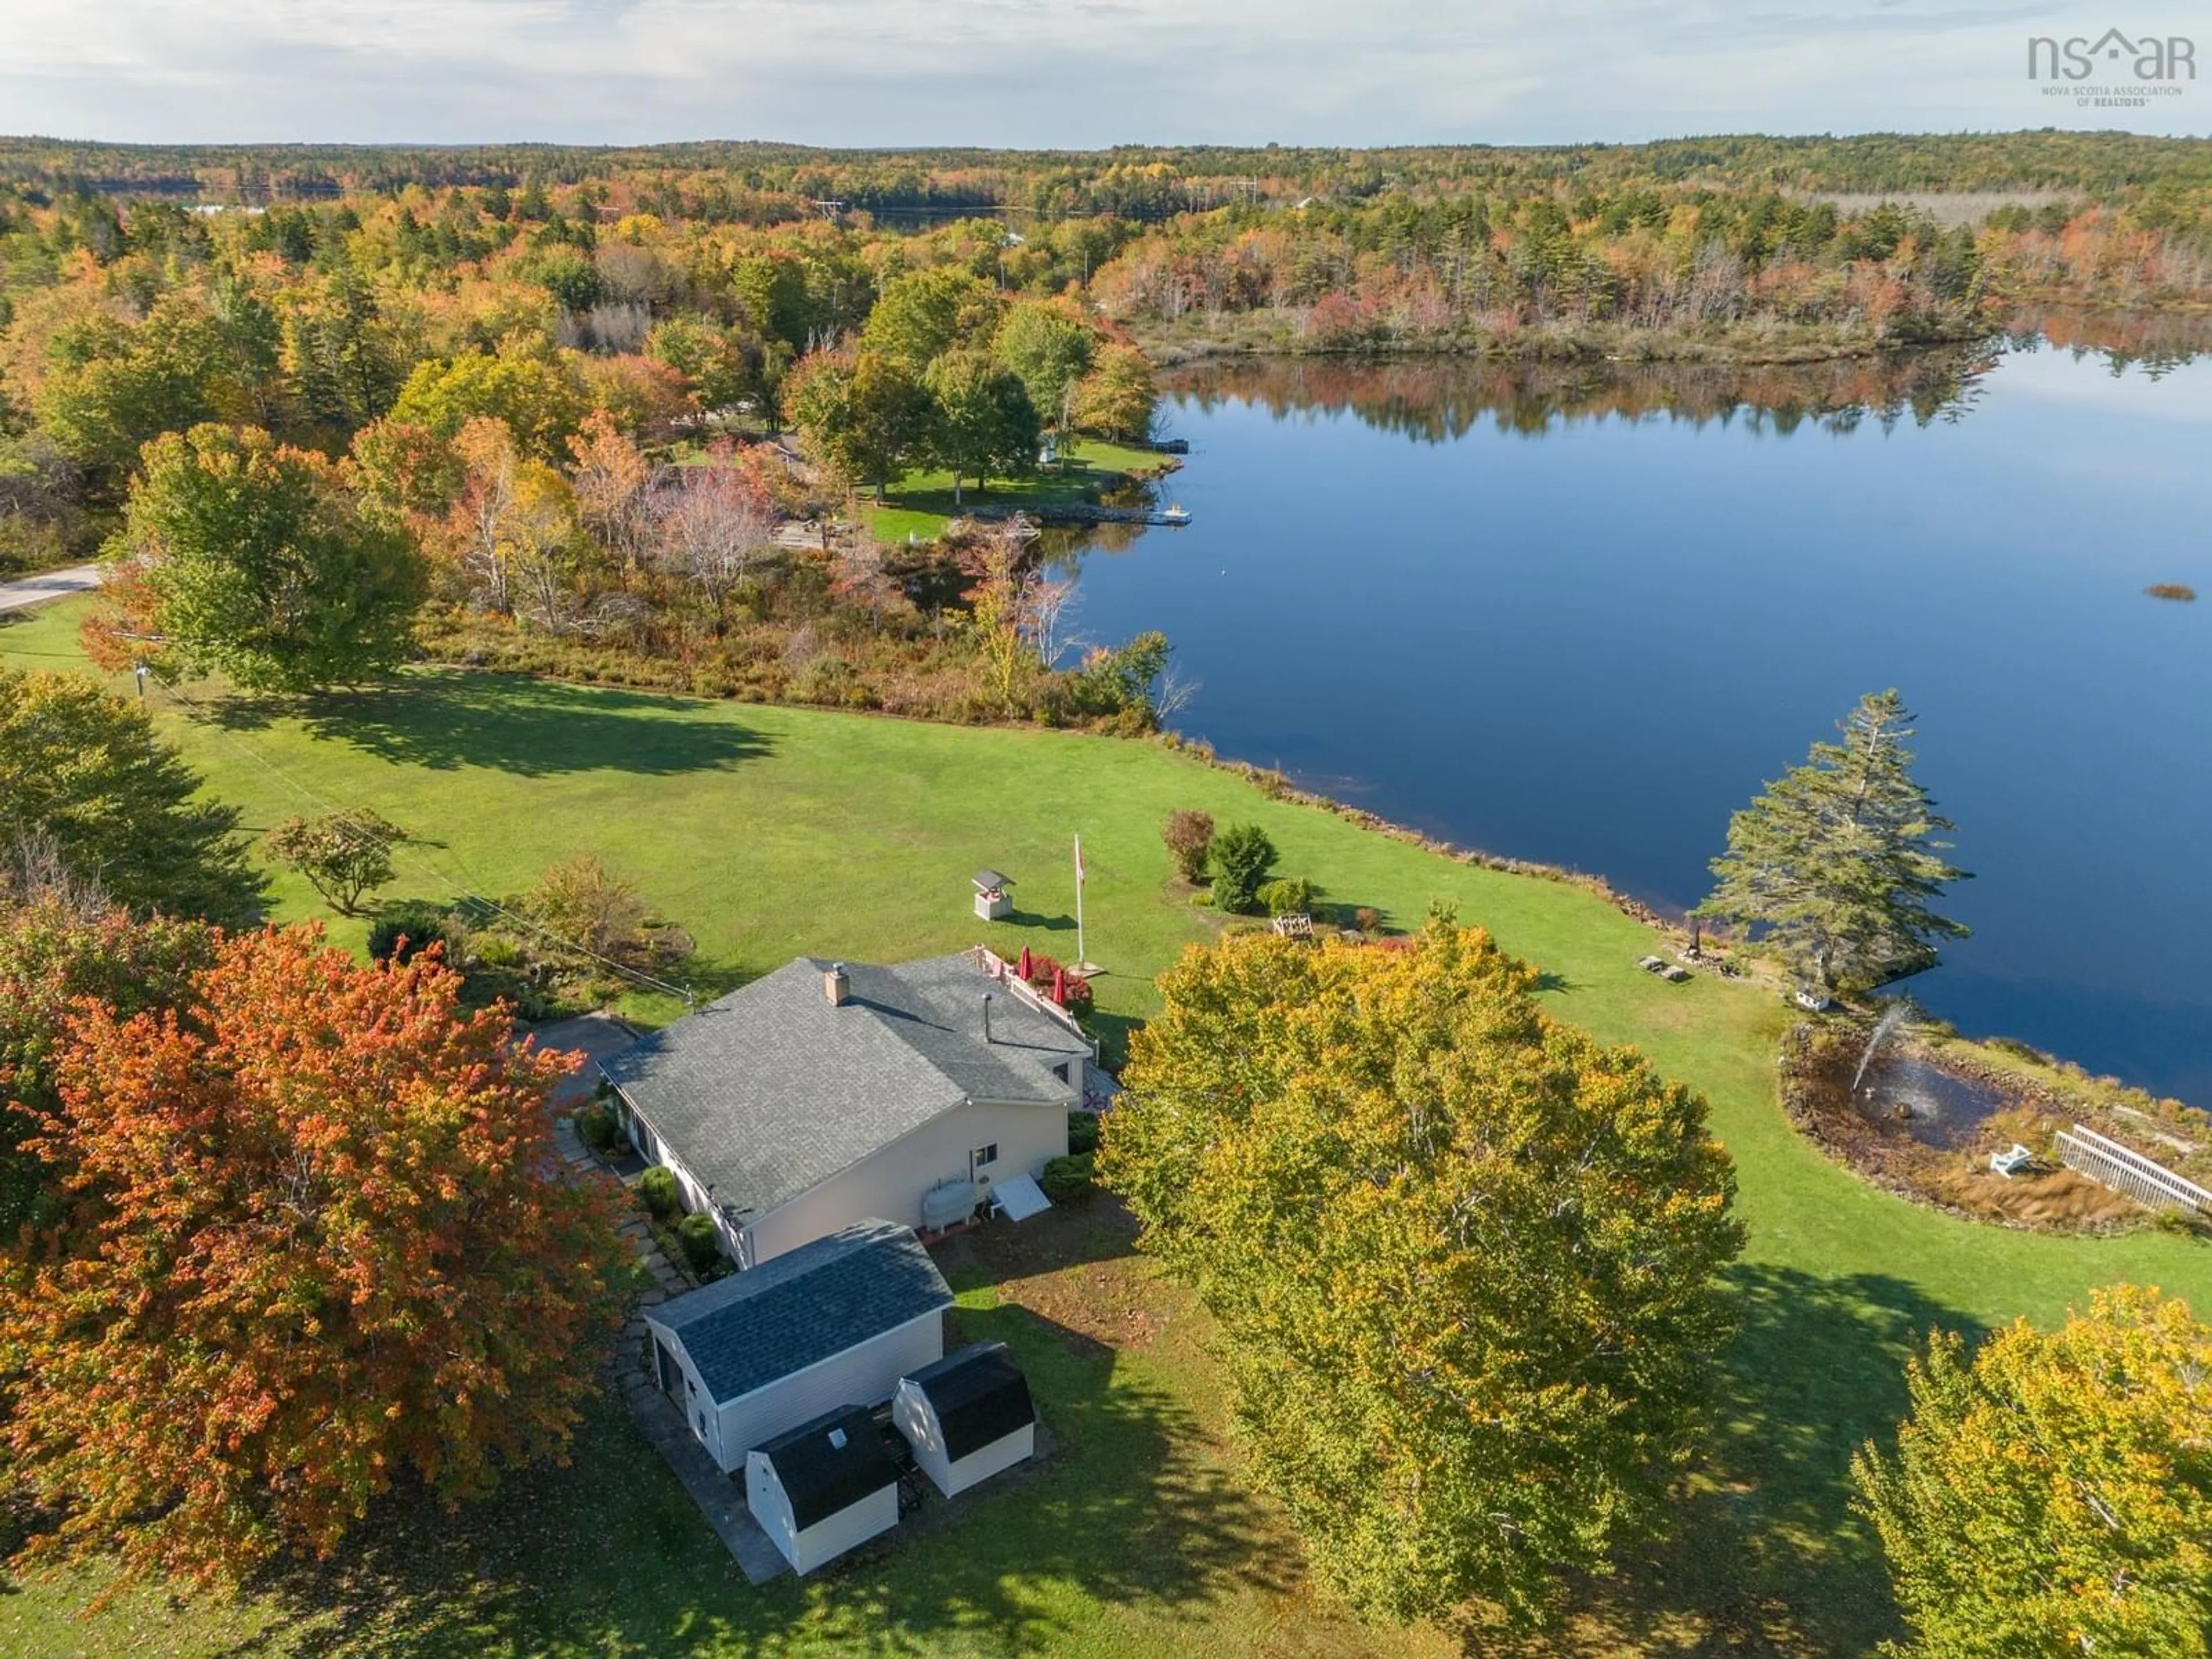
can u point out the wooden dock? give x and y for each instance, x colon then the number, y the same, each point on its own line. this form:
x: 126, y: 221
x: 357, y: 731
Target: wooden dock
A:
x: 1083, y: 512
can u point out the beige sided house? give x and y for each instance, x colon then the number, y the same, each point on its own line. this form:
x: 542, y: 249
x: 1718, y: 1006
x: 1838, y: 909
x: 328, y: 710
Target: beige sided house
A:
x: 825, y: 1094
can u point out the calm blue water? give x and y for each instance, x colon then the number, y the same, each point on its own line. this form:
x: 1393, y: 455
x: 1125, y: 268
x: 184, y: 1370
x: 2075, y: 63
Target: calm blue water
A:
x: 1587, y: 640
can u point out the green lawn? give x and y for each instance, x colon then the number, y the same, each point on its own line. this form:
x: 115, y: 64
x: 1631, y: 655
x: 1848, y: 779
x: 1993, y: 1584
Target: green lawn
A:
x: 771, y: 831
x: 921, y: 503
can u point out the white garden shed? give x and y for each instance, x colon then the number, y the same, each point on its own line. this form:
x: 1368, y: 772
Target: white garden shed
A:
x: 824, y: 1487
x: 968, y: 1416
x: 835, y: 1322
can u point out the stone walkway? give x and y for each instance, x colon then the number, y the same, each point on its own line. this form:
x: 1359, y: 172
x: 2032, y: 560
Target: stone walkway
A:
x: 720, y: 1498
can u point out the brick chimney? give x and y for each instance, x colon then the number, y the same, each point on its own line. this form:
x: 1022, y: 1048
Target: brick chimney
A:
x: 836, y: 986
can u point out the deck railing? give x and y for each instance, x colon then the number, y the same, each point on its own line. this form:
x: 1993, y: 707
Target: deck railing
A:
x: 1002, y: 971
x: 2123, y: 1169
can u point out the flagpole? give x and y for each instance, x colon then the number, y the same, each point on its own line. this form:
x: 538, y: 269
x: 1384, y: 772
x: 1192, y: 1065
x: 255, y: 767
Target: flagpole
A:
x: 1082, y: 957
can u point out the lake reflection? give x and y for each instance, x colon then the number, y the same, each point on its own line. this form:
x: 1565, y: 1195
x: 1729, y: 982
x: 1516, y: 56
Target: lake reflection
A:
x: 1579, y: 613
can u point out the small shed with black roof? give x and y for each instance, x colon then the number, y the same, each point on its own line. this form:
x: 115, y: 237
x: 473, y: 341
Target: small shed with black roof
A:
x: 824, y: 1487
x: 967, y: 1416
x: 839, y: 1320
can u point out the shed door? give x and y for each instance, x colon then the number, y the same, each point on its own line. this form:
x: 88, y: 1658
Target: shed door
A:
x: 665, y: 1363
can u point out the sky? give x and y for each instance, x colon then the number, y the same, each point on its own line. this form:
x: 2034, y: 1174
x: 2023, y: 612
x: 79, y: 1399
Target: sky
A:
x: 1075, y: 74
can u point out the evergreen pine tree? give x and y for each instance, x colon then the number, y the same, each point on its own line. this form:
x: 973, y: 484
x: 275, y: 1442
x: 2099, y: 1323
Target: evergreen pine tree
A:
x: 1838, y: 863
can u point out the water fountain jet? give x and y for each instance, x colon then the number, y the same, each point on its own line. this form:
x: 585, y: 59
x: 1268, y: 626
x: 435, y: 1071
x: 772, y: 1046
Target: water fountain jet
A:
x: 1893, y: 1016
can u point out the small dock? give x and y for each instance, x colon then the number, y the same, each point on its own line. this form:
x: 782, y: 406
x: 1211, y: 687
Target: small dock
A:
x: 1082, y: 512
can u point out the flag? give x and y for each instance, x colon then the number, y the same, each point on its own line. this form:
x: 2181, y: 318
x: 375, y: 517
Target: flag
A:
x: 1078, y: 860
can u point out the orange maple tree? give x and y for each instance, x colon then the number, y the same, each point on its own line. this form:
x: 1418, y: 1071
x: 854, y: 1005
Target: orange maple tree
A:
x: 317, y: 1240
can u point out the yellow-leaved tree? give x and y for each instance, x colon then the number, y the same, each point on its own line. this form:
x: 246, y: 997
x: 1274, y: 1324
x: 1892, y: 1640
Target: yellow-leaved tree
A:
x: 2051, y: 1493
x: 1463, y: 1259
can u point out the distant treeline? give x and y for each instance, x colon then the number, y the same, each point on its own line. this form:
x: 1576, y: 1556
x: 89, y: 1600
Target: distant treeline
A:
x: 1142, y: 181
x: 302, y: 290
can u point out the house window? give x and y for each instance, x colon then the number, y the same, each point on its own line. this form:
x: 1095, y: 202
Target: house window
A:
x: 984, y: 1155
x: 1061, y: 1071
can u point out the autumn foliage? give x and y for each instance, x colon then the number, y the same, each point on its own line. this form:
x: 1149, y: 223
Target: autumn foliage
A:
x: 2052, y: 1493
x: 314, y: 1242
x: 1462, y: 1259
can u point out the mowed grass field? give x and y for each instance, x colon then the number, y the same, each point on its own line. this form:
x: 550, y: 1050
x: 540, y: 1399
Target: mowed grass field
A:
x: 921, y: 502
x: 768, y: 832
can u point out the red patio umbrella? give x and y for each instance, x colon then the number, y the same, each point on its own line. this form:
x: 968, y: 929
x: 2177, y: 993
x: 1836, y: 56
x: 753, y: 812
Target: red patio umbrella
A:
x: 1060, y: 986
x: 1026, y: 968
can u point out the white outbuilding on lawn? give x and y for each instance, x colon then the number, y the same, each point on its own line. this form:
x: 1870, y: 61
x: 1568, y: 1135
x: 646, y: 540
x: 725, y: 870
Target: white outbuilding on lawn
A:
x: 822, y: 1488
x: 967, y: 1416
x: 834, y: 1323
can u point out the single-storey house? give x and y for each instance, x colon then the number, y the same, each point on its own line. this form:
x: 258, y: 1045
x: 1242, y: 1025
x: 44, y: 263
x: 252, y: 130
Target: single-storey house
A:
x: 835, y: 1322
x: 967, y: 1416
x: 825, y: 1093
x: 823, y: 1487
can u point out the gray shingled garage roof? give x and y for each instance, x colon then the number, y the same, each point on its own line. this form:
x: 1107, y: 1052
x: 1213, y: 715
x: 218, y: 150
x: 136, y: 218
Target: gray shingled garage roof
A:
x: 772, y: 1090
x: 807, y: 1305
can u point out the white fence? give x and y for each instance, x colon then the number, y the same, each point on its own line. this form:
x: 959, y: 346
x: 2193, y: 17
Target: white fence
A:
x: 1002, y: 971
x: 2126, y: 1170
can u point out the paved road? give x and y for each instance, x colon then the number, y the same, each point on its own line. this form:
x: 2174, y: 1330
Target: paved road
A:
x: 48, y: 585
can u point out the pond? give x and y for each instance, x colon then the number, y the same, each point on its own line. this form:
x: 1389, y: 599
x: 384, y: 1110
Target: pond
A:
x: 1935, y: 1106
x: 1580, y: 614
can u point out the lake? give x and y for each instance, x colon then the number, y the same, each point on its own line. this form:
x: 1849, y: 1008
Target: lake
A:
x: 1579, y: 616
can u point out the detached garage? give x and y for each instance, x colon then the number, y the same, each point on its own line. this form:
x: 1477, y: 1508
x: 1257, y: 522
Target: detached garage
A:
x: 834, y: 1323
x: 967, y: 1416
x: 823, y: 1487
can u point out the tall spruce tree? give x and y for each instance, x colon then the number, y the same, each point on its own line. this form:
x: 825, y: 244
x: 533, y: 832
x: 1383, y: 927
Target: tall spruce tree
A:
x: 1838, y: 864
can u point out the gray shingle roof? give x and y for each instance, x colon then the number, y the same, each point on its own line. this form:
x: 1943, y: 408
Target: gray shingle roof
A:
x: 796, y: 1309
x: 771, y: 1091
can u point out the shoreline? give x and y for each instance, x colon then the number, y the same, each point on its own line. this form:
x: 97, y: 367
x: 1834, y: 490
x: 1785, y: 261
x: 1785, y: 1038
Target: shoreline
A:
x: 1752, y: 344
x: 1581, y: 345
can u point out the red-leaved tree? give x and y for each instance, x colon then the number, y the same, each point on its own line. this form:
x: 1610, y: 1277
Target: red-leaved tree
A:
x: 317, y: 1240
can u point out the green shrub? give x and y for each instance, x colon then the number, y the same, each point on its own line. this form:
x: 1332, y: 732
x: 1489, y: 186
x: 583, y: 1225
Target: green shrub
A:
x: 501, y: 950
x: 1240, y: 856
x: 702, y: 1244
x: 598, y: 1129
x: 1082, y: 1132
x: 657, y: 1191
x: 419, y: 923
x: 1067, y: 1179
x: 1292, y: 895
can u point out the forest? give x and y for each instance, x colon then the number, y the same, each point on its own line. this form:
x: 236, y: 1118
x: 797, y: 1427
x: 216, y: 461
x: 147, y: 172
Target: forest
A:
x: 598, y: 394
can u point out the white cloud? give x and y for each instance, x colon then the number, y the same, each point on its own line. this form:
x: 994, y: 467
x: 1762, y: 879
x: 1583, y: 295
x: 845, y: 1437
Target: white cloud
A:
x: 2053, y: 374
x: 1060, y: 72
